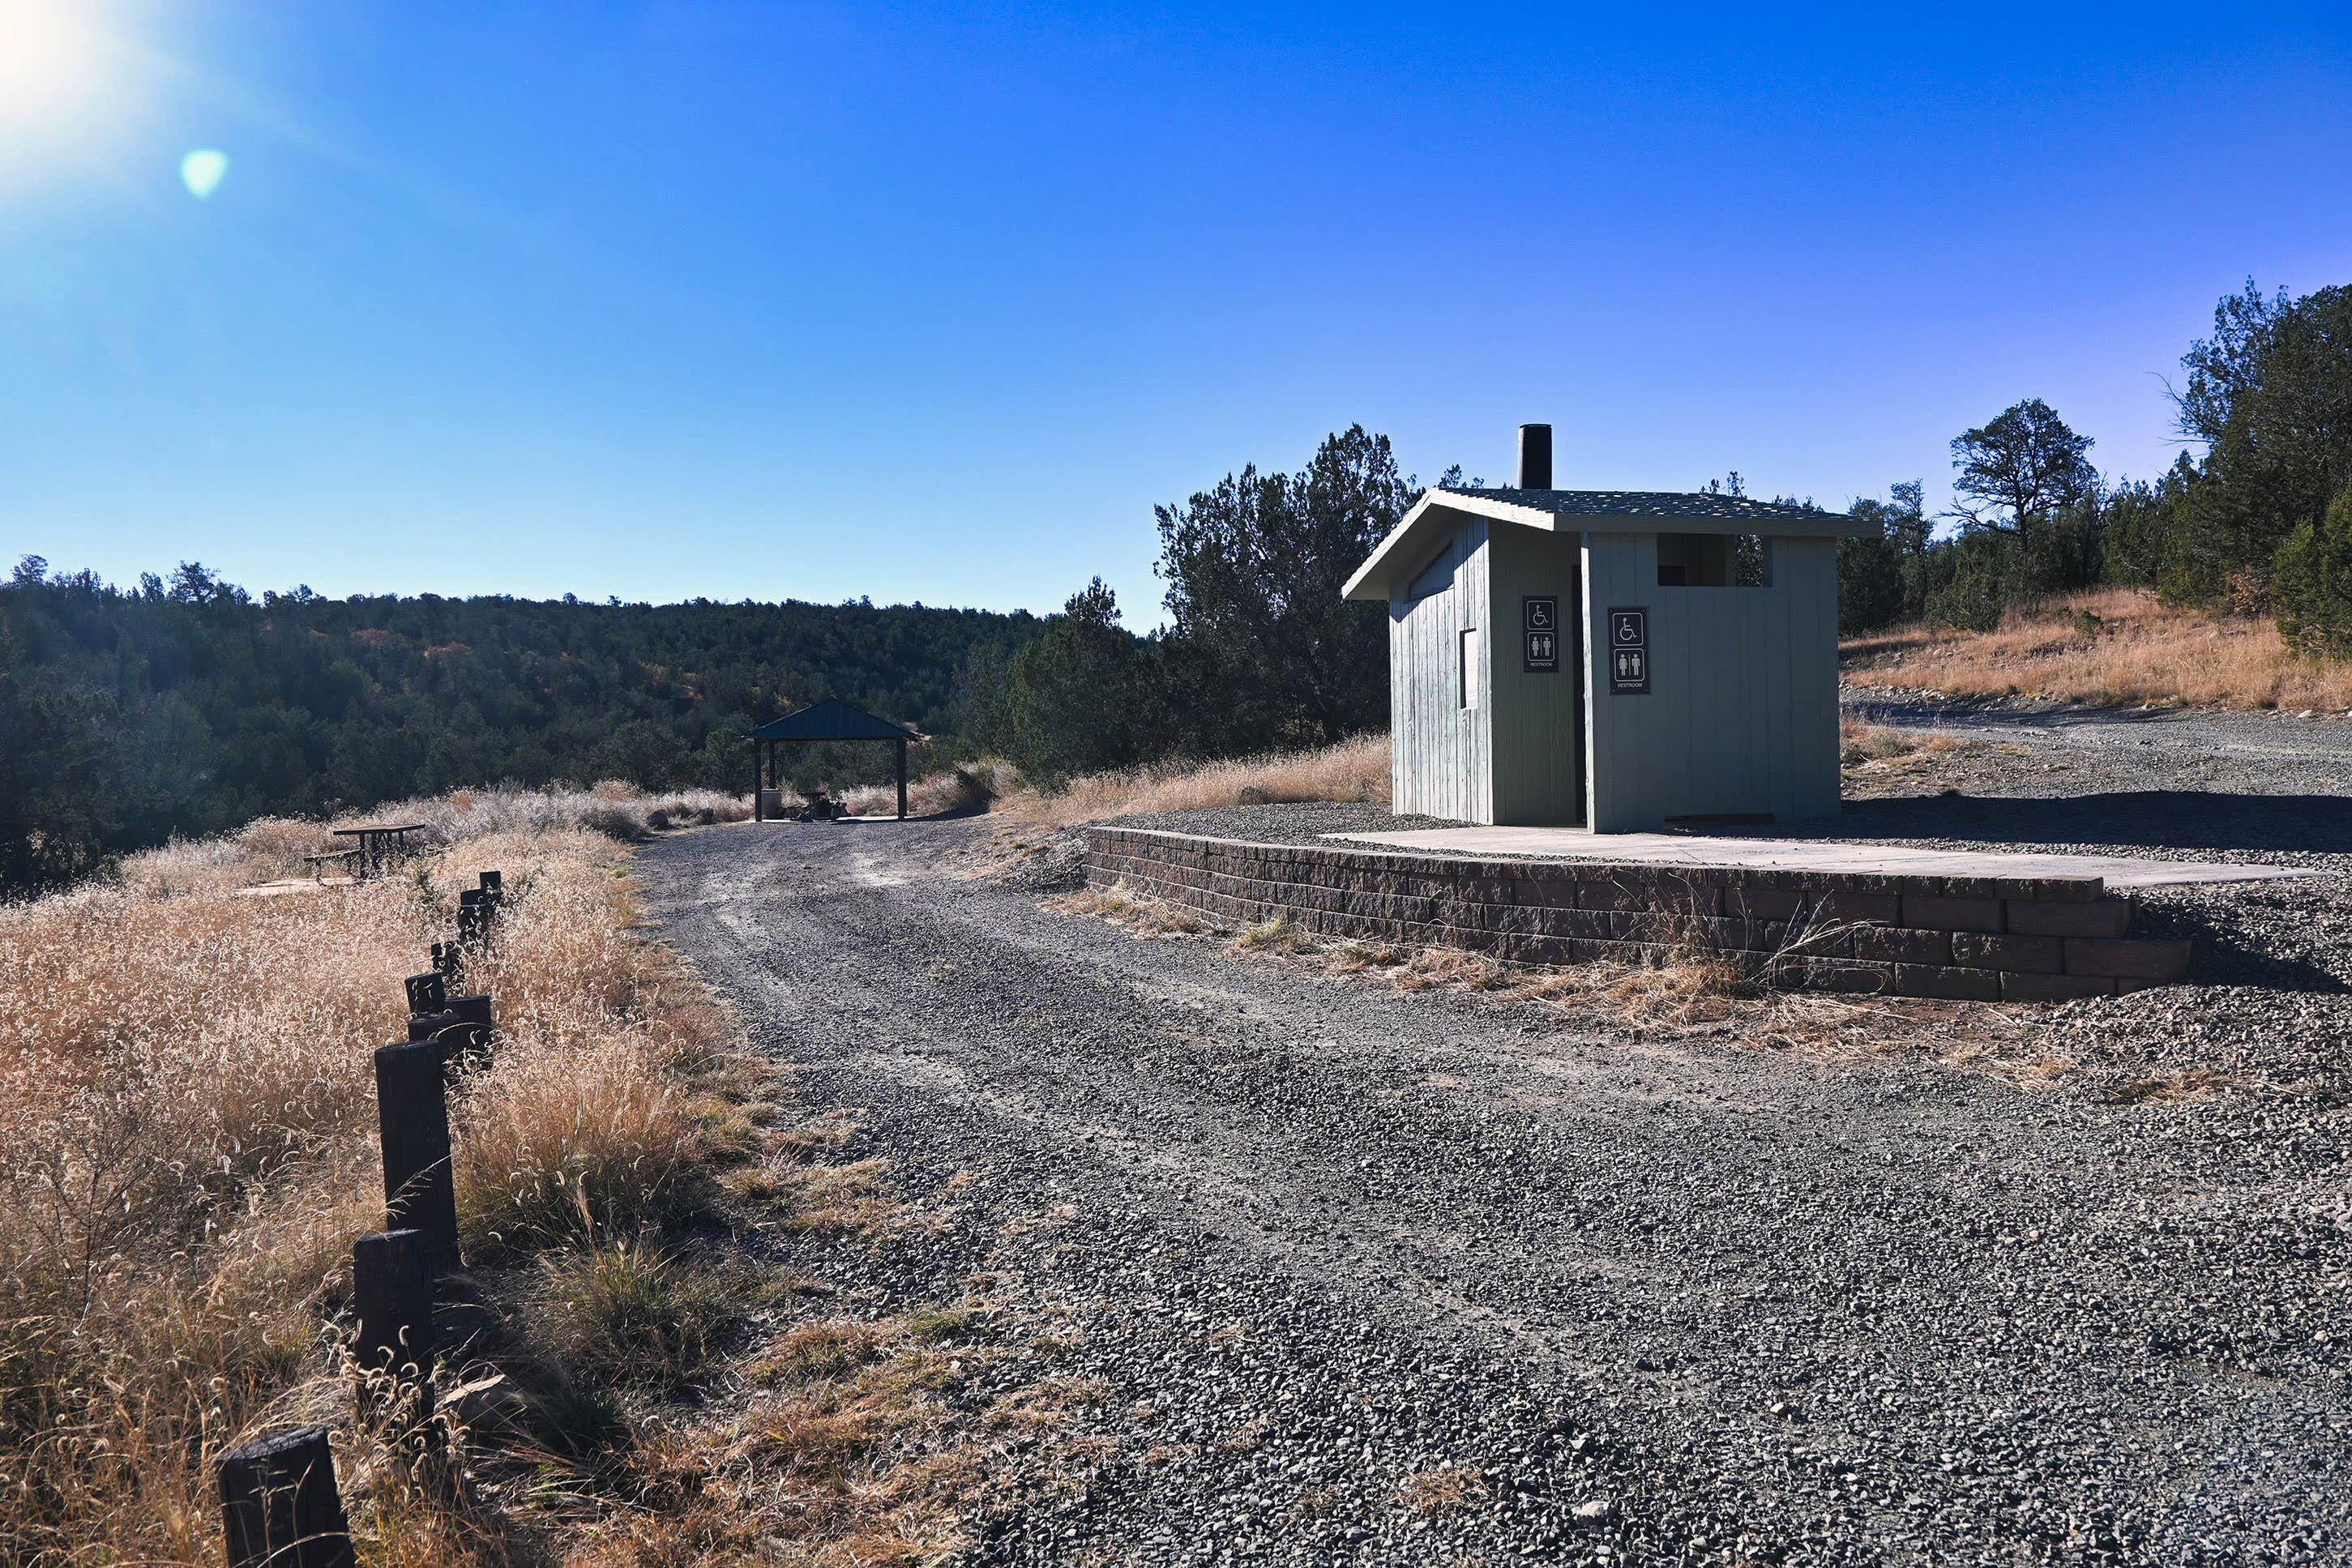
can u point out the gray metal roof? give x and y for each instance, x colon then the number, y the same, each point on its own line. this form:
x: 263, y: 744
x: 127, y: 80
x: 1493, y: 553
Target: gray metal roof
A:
x: 1408, y: 547
x: 832, y: 719
x: 1633, y: 502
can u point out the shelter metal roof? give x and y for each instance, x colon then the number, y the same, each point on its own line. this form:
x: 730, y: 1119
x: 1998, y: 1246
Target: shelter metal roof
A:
x: 834, y: 719
x: 1596, y: 511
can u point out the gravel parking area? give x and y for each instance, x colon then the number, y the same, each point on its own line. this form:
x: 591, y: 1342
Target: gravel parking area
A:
x: 1364, y: 1277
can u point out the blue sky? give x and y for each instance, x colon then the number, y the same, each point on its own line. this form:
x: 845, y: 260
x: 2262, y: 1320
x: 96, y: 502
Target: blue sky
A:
x: 934, y: 302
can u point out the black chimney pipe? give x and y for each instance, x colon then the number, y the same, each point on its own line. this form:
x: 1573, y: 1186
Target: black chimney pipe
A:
x: 1535, y: 458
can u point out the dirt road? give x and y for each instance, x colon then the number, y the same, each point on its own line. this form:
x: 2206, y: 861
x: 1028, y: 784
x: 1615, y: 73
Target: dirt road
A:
x: 1363, y: 1276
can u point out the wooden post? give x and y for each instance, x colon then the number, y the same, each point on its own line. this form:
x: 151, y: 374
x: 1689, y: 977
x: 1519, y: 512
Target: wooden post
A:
x: 392, y: 1287
x: 426, y: 992
x: 449, y: 959
x: 413, y: 1124
x: 476, y: 1024
x: 902, y: 780
x: 279, y: 1506
x: 759, y: 787
x: 494, y: 881
x: 432, y: 1026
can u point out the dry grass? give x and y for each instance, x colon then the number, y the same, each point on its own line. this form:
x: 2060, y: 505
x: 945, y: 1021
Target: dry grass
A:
x: 273, y: 847
x: 632, y: 1313
x: 2113, y: 647
x: 1860, y: 742
x: 963, y: 788
x: 1447, y: 1488
x: 1355, y: 769
x: 187, y: 1118
x: 1143, y: 916
x: 1687, y: 984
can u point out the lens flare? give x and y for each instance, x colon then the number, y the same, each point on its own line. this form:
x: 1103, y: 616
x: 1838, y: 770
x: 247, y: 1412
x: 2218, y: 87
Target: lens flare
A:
x: 201, y: 171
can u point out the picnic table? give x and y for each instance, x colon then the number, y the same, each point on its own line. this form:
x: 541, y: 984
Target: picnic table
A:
x: 380, y: 844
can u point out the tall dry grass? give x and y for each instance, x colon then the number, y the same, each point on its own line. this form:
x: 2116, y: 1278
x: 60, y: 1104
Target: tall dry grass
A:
x: 187, y: 1135
x: 1353, y: 769
x: 964, y: 787
x: 273, y: 847
x: 2113, y: 647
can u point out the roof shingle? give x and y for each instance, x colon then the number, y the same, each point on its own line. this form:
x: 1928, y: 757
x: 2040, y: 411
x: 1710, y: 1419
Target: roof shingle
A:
x: 1634, y: 503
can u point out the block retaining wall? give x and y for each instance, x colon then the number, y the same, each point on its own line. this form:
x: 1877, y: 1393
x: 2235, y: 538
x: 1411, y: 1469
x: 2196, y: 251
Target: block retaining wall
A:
x: 1960, y: 939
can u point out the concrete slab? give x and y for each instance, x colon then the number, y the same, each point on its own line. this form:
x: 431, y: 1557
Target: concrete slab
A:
x: 1811, y: 854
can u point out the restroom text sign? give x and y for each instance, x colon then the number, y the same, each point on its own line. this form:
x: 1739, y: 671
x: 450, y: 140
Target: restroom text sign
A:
x: 1539, y: 633
x: 1628, y: 651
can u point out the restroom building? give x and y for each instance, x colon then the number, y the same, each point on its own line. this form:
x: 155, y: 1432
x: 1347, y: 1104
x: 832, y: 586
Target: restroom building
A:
x: 1614, y: 659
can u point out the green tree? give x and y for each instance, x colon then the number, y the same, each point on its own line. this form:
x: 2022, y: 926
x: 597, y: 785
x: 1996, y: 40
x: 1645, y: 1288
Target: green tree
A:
x: 1262, y: 649
x: 2023, y: 465
x: 1078, y: 696
x: 1881, y: 576
x: 2270, y: 396
x: 2312, y: 588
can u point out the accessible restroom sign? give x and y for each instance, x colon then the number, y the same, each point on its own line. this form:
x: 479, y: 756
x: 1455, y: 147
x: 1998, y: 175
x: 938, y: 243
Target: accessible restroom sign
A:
x: 1539, y: 633
x: 1628, y: 651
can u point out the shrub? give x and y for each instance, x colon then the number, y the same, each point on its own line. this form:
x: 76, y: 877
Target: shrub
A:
x: 2311, y: 585
x: 629, y: 1313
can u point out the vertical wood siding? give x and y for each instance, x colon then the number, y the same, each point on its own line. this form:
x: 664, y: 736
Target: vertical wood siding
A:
x: 1741, y: 715
x: 1438, y: 749
x: 1538, y: 720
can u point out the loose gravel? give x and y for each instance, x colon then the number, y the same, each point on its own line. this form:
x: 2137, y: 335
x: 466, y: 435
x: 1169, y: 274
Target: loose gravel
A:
x: 1369, y: 1278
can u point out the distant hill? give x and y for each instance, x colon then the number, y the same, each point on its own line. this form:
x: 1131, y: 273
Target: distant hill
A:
x: 189, y: 707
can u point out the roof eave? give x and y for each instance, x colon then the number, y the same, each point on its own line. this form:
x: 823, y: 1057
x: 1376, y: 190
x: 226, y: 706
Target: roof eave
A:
x: 1373, y: 581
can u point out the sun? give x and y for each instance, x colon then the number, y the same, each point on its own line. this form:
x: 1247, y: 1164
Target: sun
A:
x: 53, y: 62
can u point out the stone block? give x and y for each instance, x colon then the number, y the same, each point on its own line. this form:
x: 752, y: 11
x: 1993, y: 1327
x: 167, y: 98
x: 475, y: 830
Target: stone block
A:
x: 1589, y: 925
x: 2128, y: 958
x: 1660, y: 891
x: 1740, y: 934
x: 1755, y: 902
x: 1896, y: 945
x: 2019, y: 955
x: 1932, y: 912
x: 1552, y: 892
x: 1948, y: 984
x: 2104, y: 917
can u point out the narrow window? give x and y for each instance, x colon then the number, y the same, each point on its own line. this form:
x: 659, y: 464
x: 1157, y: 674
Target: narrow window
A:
x: 1470, y: 667
x: 1713, y: 561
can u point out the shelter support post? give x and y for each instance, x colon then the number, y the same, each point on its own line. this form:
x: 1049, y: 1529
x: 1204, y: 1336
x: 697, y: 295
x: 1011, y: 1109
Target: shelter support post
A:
x: 759, y: 787
x: 902, y: 780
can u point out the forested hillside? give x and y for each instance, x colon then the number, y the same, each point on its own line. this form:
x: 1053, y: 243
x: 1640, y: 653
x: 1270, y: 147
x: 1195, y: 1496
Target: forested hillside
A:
x: 189, y: 707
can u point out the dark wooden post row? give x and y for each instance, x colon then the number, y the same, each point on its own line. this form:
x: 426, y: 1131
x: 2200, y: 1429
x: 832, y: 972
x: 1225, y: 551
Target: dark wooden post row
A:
x: 279, y: 1504
x: 412, y: 1121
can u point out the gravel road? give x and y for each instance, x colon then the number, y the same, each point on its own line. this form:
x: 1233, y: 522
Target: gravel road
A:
x: 1369, y: 1278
